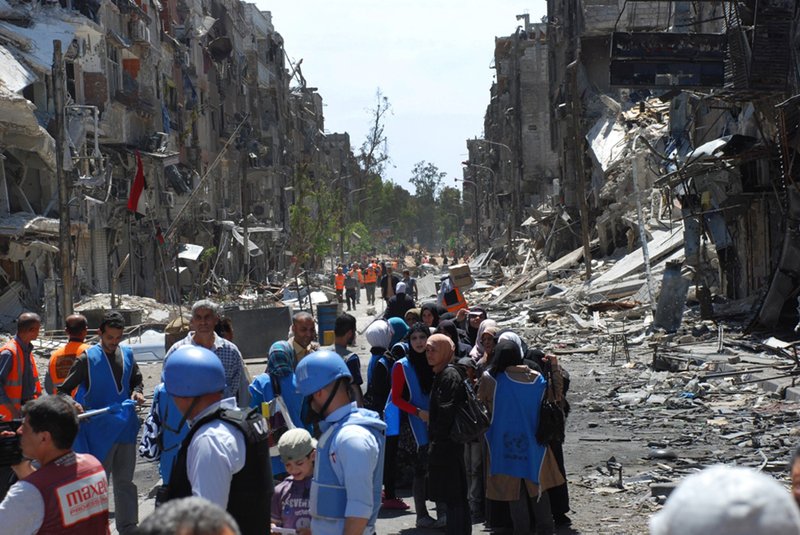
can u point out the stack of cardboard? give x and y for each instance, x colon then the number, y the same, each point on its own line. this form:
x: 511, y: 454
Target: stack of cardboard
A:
x: 462, y: 276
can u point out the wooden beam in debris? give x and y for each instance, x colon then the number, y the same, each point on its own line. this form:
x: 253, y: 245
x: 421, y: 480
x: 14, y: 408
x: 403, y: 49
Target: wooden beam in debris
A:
x: 566, y: 261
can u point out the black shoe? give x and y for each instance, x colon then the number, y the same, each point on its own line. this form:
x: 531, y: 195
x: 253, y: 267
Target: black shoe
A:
x: 562, y: 520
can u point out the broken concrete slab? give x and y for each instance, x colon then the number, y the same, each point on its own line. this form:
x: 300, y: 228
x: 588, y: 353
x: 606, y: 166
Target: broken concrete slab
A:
x: 663, y: 243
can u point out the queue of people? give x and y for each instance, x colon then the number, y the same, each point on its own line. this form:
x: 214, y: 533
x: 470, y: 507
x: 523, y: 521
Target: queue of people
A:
x: 469, y: 481
x: 311, y: 448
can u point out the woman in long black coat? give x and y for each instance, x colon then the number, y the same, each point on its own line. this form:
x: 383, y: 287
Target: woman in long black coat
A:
x: 447, y: 475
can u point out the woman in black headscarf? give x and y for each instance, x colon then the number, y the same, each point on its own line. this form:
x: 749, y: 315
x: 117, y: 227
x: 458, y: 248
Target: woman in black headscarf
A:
x: 412, y: 379
x: 449, y: 328
x: 430, y: 315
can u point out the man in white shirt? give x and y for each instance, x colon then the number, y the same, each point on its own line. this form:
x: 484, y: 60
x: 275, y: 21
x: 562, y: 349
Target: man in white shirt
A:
x: 225, y: 456
x: 68, y: 494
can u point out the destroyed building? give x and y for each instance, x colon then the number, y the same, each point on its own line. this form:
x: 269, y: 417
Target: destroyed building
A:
x: 513, y: 166
x: 671, y: 125
x: 195, y: 96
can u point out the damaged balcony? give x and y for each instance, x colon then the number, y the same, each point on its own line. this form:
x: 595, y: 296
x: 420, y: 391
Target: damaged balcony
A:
x: 667, y: 60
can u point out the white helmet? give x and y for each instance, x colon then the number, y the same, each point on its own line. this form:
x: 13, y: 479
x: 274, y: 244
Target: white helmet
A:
x: 728, y: 500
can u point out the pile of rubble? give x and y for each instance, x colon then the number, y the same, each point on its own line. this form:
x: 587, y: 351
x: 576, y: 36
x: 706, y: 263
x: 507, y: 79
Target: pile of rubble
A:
x: 663, y: 388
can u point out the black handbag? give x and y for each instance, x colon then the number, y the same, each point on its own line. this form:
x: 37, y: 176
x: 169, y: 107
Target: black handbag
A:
x: 552, y: 421
x: 472, y: 418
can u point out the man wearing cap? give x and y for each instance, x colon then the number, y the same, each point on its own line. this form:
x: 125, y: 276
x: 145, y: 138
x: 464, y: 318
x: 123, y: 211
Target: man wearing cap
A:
x: 225, y: 456
x: 349, y: 453
x: 106, y: 375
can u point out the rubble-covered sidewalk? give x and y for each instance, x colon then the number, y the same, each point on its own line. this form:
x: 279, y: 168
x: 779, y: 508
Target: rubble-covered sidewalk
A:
x: 650, y: 404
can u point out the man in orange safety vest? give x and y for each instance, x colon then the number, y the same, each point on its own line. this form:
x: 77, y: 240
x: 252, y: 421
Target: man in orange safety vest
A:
x: 19, y: 379
x: 62, y: 359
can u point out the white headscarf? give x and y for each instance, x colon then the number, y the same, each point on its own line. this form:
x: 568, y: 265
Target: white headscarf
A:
x: 379, y: 334
x: 513, y: 337
x: 477, y: 350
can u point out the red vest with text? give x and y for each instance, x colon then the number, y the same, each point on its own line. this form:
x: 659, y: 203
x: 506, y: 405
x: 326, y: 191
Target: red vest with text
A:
x: 74, y: 489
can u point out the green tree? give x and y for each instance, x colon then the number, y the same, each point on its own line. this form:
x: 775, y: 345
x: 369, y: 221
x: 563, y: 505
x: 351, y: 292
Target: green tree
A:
x: 313, y: 218
x: 450, y: 215
x: 358, y: 239
x: 427, y: 180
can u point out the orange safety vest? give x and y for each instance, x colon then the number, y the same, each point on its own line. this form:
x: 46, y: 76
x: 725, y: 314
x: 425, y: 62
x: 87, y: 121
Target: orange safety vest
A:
x: 371, y: 275
x: 13, y: 387
x: 62, y: 359
x: 458, y: 304
x: 378, y: 270
x: 339, y: 281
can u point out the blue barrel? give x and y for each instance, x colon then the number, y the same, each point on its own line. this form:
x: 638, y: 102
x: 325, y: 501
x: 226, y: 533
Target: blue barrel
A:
x: 326, y: 318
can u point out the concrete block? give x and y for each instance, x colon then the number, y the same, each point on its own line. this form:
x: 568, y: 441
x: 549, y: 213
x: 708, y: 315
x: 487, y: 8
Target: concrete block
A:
x: 256, y: 330
x: 662, y: 489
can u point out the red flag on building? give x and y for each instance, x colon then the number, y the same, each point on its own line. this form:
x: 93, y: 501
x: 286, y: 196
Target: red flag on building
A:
x: 136, y: 201
x: 160, y: 235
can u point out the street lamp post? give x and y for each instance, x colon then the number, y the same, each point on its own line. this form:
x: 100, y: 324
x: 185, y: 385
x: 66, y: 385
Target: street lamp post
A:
x: 510, y: 152
x: 477, y: 226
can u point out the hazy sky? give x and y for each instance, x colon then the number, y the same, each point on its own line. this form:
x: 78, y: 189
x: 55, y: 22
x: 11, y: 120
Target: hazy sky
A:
x: 432, y: 59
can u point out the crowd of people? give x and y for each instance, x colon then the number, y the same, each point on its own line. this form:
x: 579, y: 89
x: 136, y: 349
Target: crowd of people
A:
x: 460, y: 410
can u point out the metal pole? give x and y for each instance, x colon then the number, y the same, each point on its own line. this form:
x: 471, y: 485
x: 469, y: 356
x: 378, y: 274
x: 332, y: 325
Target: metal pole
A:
x: 477, y: 224
x: 243, y: 200
x: 64, y: 240
x: 579, y: 170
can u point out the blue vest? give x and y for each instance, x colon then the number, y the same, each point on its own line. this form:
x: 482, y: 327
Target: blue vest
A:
x: 261, y: 391
x: 328, y: 494
x: 98, y: 434
x: 513, y: 448
x: 173, y: 431
x: 373, y: 360
x: 416, y: 398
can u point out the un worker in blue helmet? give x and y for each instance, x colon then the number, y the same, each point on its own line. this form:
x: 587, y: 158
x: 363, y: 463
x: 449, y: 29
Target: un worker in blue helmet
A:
x: 349, y: 452
x: 225, y: 456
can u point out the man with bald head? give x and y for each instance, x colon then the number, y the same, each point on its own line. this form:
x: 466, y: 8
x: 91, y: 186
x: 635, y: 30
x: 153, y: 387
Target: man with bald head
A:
x: 62, y: 359
x: 304, y: 332
x: 19, y: 379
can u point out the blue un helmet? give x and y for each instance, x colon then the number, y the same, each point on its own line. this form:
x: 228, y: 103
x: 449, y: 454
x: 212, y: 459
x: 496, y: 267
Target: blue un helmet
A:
x: 192, y: 371
x: 319, y: 369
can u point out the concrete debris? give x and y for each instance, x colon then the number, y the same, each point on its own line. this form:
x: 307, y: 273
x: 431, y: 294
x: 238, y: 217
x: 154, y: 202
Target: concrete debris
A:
x: 149, y: 310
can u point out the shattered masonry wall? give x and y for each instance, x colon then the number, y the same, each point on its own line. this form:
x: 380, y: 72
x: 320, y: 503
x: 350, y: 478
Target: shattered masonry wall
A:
x: 540, y: 161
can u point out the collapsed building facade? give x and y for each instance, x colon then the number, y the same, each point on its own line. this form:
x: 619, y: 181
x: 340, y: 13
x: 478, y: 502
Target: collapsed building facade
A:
x: 195, y: 95
x: 664, y: 119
